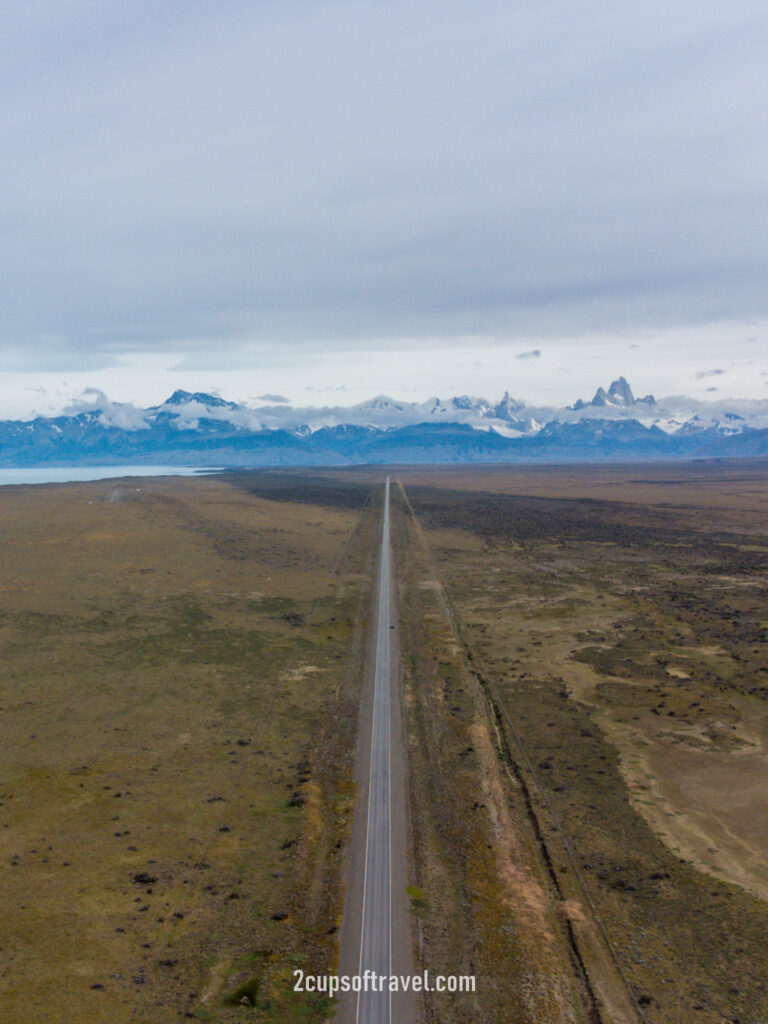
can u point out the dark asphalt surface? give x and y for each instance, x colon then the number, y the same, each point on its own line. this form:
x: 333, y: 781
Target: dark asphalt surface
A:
x: 376, y: 931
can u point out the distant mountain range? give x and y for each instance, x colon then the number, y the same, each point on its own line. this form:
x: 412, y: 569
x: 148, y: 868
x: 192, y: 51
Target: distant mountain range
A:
x: 205, y: 430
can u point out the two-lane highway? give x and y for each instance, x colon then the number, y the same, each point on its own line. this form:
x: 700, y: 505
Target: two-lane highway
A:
x: 376, y: 926
x: 376, y: 938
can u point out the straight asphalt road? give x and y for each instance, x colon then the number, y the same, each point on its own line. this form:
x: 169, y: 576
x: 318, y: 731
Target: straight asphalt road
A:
x: 376, y: 915
x: 376, y: 930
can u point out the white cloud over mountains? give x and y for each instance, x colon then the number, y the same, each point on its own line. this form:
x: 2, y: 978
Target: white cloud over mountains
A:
x: 509, y: 416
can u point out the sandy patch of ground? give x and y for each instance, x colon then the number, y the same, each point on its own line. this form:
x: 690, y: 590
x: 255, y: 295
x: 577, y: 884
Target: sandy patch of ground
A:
x: 709, y: 805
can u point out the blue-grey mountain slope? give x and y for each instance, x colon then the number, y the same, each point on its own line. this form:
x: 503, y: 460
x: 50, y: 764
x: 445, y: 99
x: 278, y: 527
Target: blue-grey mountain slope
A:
x: 205, y: 430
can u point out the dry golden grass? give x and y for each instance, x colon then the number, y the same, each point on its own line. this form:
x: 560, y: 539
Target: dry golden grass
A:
x: 487, y: 902
x: 737, y: 485
x: 170, y: 648
x: 626, y: 639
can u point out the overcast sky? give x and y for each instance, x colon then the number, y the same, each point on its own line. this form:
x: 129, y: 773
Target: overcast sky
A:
x: 405, y: 197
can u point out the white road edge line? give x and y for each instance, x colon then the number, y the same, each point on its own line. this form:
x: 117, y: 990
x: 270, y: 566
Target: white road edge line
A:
x: 383, y: 613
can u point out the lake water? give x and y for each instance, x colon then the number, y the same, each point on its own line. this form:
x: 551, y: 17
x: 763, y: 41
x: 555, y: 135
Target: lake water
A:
x: 71, y: 474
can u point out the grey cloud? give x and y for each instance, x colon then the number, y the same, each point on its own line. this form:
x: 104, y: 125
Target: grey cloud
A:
x: 280, y: 399
x: 110, y: 414
x: 181, y: 173
x: 533, y: 354
x: 709, y: 373
x: 189, y: 414
x: 89, y: 400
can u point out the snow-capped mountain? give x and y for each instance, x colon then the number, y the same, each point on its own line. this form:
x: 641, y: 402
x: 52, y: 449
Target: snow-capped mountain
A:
x: 205, y: 429
x: 619, y: 395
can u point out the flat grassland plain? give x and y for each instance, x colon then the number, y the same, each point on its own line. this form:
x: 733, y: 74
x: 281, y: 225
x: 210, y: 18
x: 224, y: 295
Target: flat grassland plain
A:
x: 177, y: 720
x: 588, y: 700
x: 585, y: 688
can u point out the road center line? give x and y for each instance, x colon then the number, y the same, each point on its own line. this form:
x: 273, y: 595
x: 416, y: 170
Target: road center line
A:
x: 374, y: 1007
